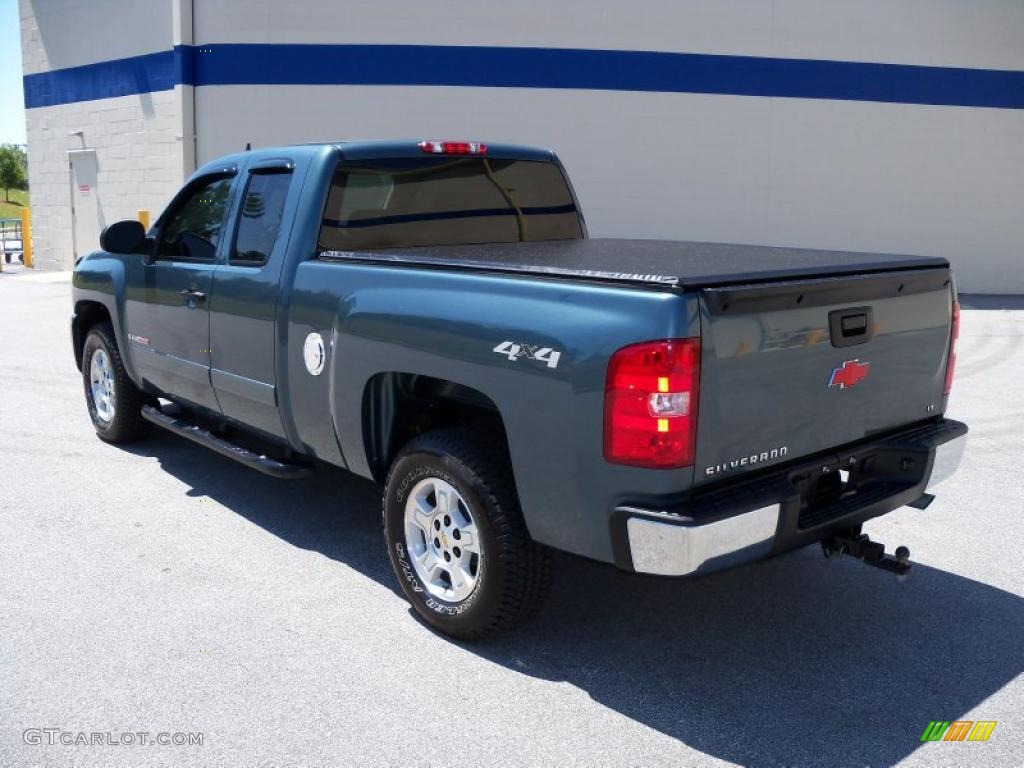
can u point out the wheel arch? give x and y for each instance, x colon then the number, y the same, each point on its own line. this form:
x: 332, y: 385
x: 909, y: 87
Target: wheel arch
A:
x: 399, y: 406
x: 88, y: 313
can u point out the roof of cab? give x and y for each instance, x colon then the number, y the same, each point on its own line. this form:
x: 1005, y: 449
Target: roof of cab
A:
x: 365, y: 150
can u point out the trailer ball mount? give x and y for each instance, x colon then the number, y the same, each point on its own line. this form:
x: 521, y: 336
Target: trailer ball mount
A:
x: 858, y: 545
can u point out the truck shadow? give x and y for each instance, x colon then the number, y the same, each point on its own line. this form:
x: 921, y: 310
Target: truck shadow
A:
x: 796, y: 661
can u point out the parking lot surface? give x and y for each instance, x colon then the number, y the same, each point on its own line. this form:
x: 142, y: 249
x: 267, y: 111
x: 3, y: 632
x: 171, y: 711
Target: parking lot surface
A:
x: 161, y: 588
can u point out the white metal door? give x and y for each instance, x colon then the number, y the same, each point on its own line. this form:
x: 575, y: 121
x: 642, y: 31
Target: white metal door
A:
x: 85, y: 206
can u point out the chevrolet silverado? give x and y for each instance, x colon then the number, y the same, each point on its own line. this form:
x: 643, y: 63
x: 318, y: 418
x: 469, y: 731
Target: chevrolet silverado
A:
x: 432, y: 315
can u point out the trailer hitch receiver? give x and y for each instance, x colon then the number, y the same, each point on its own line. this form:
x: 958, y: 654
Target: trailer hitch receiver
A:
x: 858, y: 545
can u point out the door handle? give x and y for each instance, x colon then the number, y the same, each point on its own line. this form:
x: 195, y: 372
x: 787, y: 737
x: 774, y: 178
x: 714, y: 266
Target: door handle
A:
x: 192, y: 296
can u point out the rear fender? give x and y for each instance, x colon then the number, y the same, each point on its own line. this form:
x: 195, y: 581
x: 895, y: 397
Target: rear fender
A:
x: 497, y: 337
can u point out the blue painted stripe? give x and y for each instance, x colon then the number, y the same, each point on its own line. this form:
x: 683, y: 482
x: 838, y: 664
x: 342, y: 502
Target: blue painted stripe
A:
x: 103, y: 80
x: 505, y: 67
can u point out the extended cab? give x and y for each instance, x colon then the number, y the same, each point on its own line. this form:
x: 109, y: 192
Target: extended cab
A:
x: 432, y: 315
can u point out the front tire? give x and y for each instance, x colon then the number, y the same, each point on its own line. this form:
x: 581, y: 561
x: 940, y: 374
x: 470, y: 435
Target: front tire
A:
x: 456, y: 536
x: 114, y: 402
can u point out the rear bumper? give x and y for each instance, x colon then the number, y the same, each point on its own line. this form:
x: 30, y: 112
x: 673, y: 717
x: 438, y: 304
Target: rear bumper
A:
x: 788, y: 507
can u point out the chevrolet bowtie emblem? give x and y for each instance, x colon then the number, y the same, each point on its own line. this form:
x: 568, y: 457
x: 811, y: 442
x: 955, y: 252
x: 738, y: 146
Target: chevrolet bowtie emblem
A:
x: 848, y: 374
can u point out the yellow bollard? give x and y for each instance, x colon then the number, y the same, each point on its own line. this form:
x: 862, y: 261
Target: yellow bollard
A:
x: 26, y: 237
x: 143, y: 216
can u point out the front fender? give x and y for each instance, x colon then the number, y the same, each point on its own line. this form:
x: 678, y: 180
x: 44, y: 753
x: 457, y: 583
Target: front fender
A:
x: 99, y: 279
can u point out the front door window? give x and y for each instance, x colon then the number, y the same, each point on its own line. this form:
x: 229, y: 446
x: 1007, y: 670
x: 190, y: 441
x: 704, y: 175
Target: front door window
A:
x: 192, y: 230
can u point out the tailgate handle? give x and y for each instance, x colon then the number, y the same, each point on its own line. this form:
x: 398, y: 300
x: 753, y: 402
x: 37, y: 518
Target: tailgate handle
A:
x: 850, y: 326
x: 854, y: 325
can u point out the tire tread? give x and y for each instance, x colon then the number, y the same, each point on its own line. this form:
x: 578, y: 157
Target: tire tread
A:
x: 128, y: 424
x: 526, y: 564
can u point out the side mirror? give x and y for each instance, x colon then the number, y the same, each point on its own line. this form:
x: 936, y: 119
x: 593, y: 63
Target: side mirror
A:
x: 126, y: 236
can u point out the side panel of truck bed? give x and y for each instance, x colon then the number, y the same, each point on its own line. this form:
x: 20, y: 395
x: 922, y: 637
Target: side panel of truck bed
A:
x: 378, y: 319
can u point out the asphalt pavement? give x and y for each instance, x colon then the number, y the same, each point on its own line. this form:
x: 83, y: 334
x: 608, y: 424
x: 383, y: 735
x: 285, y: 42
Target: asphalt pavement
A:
x: 163, y: 589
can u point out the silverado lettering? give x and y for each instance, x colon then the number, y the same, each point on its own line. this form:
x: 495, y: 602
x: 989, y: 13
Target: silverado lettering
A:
x: 756, y: 458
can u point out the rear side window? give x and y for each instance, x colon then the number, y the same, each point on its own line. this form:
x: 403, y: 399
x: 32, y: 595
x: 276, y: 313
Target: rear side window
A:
x: 260, y: 221
x: 406, y: 202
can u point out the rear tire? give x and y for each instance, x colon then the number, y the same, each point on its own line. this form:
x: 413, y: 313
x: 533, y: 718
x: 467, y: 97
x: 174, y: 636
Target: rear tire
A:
x: 478, y: 572
x: 114, y: 402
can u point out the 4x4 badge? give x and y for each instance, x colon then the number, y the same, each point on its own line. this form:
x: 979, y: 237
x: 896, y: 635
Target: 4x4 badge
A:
x: 514, y: 350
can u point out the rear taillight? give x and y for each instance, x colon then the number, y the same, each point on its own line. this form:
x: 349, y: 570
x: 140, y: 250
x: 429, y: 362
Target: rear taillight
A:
x: 954, y: 334
x: 650, y: 404
x: 453, y: 148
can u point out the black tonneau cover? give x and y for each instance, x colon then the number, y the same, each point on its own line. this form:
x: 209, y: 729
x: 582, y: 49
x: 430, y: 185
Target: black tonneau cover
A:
x: 666, y: 263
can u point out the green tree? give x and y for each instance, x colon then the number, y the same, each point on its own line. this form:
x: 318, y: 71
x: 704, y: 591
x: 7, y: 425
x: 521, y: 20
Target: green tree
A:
x: 13, y: 169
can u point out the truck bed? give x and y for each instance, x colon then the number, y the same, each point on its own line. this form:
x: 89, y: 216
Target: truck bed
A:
x: 664, y: 263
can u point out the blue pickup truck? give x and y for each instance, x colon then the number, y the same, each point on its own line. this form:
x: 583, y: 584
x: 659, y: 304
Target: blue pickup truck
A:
x: 432, y: 315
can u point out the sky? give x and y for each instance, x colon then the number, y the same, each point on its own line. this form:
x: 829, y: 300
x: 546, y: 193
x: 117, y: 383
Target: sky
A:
x: 12, y: 96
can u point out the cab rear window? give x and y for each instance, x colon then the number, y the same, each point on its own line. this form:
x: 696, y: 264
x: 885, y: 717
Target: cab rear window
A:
x: 400, y: 203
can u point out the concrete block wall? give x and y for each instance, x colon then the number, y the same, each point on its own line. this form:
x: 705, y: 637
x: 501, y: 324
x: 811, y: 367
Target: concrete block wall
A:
x: 138, y: 153
x: 137, y: 138
x: 812, y: 172
x: 844, y: 172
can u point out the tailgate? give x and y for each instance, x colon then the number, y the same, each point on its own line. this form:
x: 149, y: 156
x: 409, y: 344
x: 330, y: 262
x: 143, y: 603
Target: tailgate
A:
x: 793, y: 368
